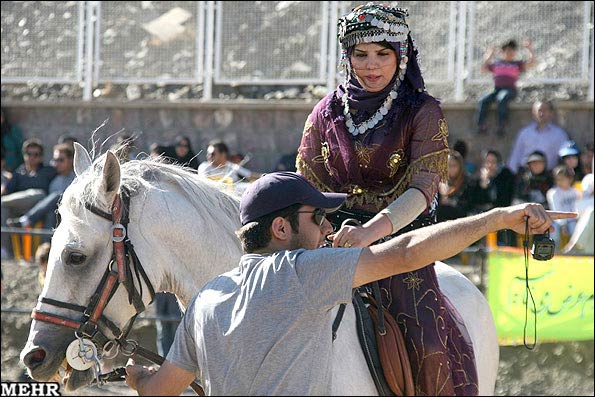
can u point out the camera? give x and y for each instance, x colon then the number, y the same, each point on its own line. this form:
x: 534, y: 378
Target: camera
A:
x: 543, y: 247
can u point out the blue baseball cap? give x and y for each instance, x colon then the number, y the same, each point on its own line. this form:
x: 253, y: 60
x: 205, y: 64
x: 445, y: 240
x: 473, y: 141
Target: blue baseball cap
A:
x: 569, y: 148
x: 275, y: 191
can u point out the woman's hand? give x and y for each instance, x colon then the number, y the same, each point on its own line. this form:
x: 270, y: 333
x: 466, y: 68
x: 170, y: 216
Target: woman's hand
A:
x: 352, y: 236
x: 361, y: 235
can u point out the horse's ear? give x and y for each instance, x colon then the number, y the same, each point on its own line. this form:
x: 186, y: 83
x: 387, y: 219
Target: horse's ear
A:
x: 82, y: 160
x: 111, y: 175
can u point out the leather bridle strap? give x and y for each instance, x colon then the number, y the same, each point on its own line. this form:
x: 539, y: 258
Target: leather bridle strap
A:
x: 123, y: 250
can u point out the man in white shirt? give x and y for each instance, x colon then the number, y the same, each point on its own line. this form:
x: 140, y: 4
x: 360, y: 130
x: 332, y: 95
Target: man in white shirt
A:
x: 218, y: 167
x: 540, y: 135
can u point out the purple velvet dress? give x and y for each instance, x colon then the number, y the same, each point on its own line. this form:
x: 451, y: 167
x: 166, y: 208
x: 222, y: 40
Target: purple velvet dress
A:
x: 408, y: 149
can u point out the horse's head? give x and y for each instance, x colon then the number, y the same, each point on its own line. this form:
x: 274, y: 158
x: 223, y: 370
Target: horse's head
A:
x: 86, y: 290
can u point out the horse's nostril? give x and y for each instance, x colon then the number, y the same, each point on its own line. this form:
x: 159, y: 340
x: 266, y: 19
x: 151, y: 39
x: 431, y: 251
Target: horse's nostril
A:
x: 34, y: 358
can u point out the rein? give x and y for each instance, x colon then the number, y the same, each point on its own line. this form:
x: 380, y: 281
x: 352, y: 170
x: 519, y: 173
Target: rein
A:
x: 92, y: 315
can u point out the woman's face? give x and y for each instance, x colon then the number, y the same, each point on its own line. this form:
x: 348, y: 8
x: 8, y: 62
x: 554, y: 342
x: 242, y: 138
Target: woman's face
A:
x: 536, y: 167
x: 490, y: 163
x: 571, y: 161
x: 373, y: 65
x: 182, y: 148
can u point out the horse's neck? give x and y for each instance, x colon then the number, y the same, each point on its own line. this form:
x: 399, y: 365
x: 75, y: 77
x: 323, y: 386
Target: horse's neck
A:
x: 181, y: 244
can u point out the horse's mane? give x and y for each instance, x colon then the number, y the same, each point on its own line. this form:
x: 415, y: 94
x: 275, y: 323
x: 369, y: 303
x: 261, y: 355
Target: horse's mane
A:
x: 139, y: 177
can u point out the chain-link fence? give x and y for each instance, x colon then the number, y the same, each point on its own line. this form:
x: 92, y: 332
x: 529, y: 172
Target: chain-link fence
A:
x: 207, y: 45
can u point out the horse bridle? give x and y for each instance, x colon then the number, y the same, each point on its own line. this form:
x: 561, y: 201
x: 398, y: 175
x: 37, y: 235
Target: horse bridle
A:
x: 123, y: 254
x: 88, y: 326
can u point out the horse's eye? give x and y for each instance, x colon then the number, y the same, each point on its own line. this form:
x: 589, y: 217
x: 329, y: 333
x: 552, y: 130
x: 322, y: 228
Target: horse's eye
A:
x: 76, y: 258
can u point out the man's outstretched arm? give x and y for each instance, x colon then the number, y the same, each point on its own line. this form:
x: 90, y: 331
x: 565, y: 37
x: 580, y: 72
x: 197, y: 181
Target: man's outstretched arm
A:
x: 168, y: 380
x: 418, y: 248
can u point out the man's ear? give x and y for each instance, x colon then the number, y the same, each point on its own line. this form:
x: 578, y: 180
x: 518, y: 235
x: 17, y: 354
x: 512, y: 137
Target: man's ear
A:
x: 280, y: 229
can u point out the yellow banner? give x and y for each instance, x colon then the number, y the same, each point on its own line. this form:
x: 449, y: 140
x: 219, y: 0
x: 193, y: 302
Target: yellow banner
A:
x: 562, y: 289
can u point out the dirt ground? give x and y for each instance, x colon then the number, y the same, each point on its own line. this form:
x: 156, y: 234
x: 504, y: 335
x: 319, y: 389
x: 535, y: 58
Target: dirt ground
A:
x: 553, y: 369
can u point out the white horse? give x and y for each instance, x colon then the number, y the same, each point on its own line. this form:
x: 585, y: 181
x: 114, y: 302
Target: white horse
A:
x: 182, y: 228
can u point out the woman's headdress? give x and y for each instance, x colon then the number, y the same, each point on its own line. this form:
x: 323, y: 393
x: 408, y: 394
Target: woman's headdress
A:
x: 373, y: 23
x: 376, y: 23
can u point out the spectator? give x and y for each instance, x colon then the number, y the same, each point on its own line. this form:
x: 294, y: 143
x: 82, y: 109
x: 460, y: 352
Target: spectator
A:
x: 462, y: 148
x: 506, y: 72
x: 29, y: 184
x: 534, y: 181
x: 563, y: 197
x: 453, y: 194
x: 218, y: 167
x: 494, y: 187
x: 46, y: 209
x: 184, y: 155
x: 6, y: 175
x: 540, y: 135
x: 586, y: 159
x: 42, y: 255
x: 582, y: 240
x: 69, y: 139
x: 166, y: 306
x: 12, y: 143
x: 569, y: 155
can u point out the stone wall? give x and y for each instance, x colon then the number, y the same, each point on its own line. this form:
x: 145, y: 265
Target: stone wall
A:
x: 265, y: 129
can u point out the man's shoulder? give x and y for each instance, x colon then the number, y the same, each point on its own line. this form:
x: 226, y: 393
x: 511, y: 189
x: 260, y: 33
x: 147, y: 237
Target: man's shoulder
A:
x: 558, y: 130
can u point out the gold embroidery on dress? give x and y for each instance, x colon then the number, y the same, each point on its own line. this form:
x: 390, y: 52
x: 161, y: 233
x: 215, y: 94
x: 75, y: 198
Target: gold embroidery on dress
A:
x: 413, y: 280
x: 442, y: 134
x: 394, y: 161
x: 308, y: 127
x: 304, y: 169
x: 323, y: 157
x: 364, y: 153
x: 435, y: 161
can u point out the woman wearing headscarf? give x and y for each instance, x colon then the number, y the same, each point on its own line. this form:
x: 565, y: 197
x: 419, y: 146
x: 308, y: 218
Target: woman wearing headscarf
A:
x: 184, y: 155
x: 453, y: 195
x: 381, y: 138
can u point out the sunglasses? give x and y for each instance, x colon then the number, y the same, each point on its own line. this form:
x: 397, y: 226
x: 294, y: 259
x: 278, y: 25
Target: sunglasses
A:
x: 33, y: 154
x: 319, y: 215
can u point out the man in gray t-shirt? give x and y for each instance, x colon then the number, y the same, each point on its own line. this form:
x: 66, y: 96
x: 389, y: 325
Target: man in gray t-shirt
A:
x: 272, y: 334
x: 264, y: 328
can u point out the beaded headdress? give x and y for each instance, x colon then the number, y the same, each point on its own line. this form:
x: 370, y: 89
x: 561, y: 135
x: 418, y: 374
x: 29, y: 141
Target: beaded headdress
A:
x: 374, y: 23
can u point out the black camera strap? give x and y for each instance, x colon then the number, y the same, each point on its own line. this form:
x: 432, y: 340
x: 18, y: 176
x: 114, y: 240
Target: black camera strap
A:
x: 528, y: 291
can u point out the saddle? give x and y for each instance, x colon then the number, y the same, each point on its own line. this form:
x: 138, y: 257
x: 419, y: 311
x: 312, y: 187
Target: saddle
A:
x: 379, y: 334
x: 383, y: 344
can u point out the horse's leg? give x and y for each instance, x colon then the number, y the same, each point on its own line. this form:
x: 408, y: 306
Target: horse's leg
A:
x: 474, y: 310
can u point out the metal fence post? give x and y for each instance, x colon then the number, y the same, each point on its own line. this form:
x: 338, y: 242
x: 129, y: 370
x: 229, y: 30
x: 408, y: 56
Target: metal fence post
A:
x: 460, y: 62
x: 591, y: 74
x: 332, y: 49
x: 210, y: 26
x: 88, y: 78
x: 200, y: 42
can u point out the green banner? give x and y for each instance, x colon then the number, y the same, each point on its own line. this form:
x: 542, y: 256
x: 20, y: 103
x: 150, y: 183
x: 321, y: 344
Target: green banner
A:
x: 562, y: 289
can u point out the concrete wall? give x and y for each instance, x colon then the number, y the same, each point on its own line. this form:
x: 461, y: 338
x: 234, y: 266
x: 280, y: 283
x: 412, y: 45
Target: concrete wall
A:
x: 265, y: 129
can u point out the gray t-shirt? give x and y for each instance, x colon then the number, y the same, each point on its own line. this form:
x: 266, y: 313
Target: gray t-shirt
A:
x: 264, y: 328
